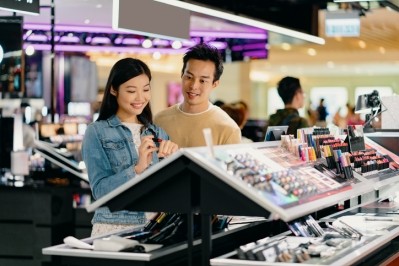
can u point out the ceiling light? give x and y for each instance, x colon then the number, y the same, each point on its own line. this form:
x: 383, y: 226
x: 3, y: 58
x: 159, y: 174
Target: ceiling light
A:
x: 156, y: 55
x: 69, y: 38
x: 338, y: 38
x: 218, y: 45
x: 286, y: 46
x: 100, y: 40
x: 160, y: 42
x: 131, y: 41
x: 362, y: 44
x: 147, y: 43
x: 118, y: 40
x: 38, y: 38
x: 244, y: 20
x: 312, y: 52
x: 177, y: 44
x: 382, y: 50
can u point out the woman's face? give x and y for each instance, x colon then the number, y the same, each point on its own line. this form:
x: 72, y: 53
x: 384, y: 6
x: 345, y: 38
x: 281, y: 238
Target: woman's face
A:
x: 132, y: 96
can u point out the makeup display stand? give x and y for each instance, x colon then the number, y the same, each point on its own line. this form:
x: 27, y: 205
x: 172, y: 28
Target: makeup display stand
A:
x: 194, y: 180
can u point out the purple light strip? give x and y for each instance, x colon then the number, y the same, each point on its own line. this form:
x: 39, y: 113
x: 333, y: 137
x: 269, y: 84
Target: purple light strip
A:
x: 37, y: 38
x: 73, y: 39
x: 249, y: 46
x: 233, y: 35
x: 261, y: 35
x: 130, y: 41
x: 101, y: 40
x: 256, y: 54
x: 161, y: 42
x: 219, y: 45
x: 88, y: 48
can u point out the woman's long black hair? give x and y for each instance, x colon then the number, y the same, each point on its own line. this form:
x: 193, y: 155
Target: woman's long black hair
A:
x: 124, y: 70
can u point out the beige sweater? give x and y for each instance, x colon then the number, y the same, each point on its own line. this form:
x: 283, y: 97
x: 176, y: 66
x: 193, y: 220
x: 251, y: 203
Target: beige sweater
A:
x: 186, y: 129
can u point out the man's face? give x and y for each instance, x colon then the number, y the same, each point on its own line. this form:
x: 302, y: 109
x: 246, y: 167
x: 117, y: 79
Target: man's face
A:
x: 197, y: 83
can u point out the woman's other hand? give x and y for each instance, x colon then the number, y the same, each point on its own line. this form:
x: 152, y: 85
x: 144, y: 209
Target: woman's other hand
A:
x: 166, y: 148
x: 145, y: 150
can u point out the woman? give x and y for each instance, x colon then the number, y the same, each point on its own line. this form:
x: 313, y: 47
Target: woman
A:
x: 123, y: 142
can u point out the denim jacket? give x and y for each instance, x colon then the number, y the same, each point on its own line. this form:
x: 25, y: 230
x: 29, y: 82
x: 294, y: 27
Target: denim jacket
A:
x: 109, y: 154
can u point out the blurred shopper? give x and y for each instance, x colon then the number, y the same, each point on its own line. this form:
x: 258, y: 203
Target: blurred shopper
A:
x: 218, y: 103
x: 290, y: 91
x: 123, y: 142
x: 312, y: 115
x: 339, y: 120
x: 184, y: 122
x: 352, y: 118
x: 321, y: 114
x: 238, y: 111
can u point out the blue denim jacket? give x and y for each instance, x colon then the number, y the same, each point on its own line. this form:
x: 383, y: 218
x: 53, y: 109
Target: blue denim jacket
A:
x: 109, y: 154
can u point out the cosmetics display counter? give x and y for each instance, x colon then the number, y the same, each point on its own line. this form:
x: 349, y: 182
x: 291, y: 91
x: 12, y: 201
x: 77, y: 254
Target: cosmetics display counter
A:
x: 258, y: 179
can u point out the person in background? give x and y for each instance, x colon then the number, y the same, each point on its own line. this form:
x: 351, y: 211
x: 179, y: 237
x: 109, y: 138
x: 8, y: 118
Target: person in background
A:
x: 184, y: 122
x: 218, y: 103
x: 312, y: 115
x: 238, y: 111
x: 321, y: 114
x: 245, y: 106
x: 352, y: 118
x: 338, y: 119
x: 123, y: 141
x: 290, y: 91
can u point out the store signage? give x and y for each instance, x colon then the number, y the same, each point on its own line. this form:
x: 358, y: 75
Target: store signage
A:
x: 151, y: 18
x: 31, y: 7
x: 343, y: 24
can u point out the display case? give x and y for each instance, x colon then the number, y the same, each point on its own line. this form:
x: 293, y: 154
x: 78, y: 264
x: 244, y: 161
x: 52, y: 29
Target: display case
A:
x: 258, y: 179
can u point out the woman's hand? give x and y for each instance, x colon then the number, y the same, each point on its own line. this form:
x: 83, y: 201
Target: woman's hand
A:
x: 145, y: 150
x: 166, y: 148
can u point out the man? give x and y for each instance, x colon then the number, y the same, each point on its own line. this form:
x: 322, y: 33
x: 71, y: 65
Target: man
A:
x: 322, y: 114
x: 290, y: 91
x: 184, y: 122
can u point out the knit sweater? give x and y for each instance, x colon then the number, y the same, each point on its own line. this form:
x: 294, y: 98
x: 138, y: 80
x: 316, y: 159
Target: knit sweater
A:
x: 288, y: 117
x: 186, y: 129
